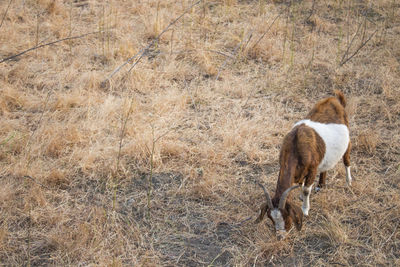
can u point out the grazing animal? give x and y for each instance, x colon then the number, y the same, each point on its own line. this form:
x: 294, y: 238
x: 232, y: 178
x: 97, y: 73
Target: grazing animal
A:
x: 313, y: 146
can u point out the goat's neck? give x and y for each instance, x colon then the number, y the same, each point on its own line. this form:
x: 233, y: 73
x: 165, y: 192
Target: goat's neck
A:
x: 286, y: 177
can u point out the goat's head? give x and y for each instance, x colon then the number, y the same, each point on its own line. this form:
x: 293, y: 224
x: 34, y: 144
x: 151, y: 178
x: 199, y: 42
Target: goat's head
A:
x: 282, y: 216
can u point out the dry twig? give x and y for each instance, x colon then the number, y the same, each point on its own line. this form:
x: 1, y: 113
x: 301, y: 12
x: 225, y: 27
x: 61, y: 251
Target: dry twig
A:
x: 358, y: 49
x: 5, y: 13
x: 346, y: 57
x: 36, y: 181
x: 141, y: 53
x: 248, y: 37
x: 269, y: 27
x: 121, y: 139
x: 47, y: 44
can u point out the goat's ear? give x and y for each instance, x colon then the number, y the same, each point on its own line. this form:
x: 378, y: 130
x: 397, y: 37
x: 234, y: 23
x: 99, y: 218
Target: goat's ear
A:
x: 297, y: 216
x: 263, y: 208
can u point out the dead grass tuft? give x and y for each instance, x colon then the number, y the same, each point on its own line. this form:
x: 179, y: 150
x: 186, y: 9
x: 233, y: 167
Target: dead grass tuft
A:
x: 368, y: 141
x: 56, y: 178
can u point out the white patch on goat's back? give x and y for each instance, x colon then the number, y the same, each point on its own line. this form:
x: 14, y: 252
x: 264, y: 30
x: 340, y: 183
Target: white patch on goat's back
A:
x: 336, y: 138
x: 278, y: 219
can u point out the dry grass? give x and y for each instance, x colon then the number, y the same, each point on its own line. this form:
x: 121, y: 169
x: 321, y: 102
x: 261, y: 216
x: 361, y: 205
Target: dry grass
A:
x: 70, y: 195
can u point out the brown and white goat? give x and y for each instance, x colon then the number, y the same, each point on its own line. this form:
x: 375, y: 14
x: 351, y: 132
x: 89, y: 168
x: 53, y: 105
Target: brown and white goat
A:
x: 312, y: 147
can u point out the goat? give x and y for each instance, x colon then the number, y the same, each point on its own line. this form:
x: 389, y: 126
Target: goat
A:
x: 313, y: 146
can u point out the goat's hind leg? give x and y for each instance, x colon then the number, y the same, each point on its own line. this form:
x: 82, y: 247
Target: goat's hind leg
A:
x: 346, y: 161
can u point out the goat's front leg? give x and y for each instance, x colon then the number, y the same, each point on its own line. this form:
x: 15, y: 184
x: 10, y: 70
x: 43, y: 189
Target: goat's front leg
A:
x: 346, y: 161
x: 306, y: 189
x: 321, y: 183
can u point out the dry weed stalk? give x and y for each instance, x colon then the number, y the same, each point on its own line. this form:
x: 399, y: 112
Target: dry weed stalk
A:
x: 235, y: 53
x: 124, y: 122
x: 347, y: 56
x: 292, y: 40
x: 48, y: 44
x: 38, y: 123
x: 150, y: 176
x: 5, y: 13
x: 37, y: 31
x: 312, y: 11
x: 268, y: 29
x: 142, y: 52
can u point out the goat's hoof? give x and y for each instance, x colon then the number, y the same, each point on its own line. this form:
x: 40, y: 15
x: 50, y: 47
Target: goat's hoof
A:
x: 305, y: 212
x: 317, y: 189
x: 301, y: 197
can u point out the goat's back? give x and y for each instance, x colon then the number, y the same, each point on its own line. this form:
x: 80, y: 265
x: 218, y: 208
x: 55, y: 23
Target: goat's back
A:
x: 330, y: 110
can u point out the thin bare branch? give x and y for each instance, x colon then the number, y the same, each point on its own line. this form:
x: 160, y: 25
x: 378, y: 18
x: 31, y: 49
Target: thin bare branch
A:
x: 37, y: 124
x: 269, y: 27
x: 124, y: 122
x: 161, y: 33
x: 243, y: 221
x: 141, y: 53
x: 203, y: 50
x: 36, y: 181
x: 248, y: 36
x: 220, y: 53
x: 122, y: 135
x: 351, y: 43
x: 311, y: 11
x: 5, y: 13
x: 358, y: 49
x: 47, y: 44
x: 362, y: 24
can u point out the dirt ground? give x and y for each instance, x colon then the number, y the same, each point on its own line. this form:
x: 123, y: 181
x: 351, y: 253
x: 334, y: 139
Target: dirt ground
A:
x: 156, y: 162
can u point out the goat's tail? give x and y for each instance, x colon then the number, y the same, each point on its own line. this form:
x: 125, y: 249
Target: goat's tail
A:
x: 340, y: 96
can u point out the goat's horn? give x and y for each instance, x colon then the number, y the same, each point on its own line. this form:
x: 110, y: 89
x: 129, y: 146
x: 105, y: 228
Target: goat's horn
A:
x: 282, y: 201
x: 269, y: 202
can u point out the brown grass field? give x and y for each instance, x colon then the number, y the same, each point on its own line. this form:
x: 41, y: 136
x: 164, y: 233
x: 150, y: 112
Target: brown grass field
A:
x: 157, y: 165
